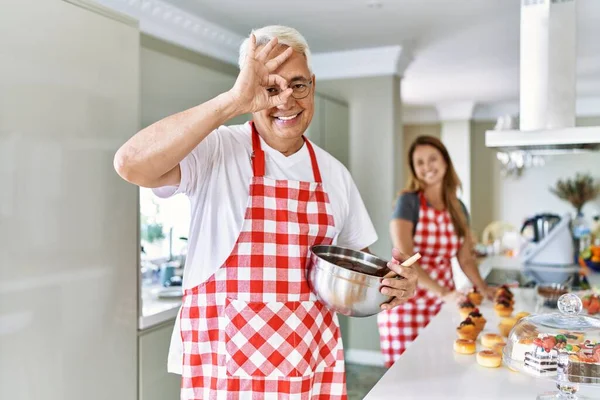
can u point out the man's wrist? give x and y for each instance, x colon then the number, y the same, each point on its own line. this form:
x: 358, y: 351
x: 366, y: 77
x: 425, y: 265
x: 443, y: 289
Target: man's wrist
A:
x: 231, y: 105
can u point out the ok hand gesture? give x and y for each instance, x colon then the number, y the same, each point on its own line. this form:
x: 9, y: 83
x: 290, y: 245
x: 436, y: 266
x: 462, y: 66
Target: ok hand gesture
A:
x: 250, y: 88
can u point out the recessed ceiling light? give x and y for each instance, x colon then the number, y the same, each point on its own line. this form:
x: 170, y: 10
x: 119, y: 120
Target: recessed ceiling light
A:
x: 374, y: 3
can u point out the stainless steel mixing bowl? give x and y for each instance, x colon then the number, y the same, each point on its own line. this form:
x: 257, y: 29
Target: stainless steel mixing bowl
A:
x: 347, y: 281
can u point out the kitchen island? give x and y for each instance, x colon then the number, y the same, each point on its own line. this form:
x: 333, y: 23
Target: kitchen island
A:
x: 430, y: 369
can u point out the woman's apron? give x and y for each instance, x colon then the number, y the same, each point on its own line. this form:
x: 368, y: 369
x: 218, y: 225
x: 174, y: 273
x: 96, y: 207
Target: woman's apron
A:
x: 254, y: 329
x: 438, y: 243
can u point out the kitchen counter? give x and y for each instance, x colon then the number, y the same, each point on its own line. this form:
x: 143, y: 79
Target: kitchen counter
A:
x: 486, y: 264
x: 430, y: 369
x: 156, y: 309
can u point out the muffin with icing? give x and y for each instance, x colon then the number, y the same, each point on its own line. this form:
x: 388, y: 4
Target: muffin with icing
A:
x: 475, y: 297
x: 504, y: 289
x: 467, y: 330
x: 465, y: 307
x: 503, y: 308
x: 505, y: 298
x: 477, y: 319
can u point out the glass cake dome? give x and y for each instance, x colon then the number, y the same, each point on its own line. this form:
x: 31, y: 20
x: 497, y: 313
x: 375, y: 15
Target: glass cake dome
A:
x: 563, y: 346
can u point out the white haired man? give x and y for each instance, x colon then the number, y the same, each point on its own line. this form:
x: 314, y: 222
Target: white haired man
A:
x: 261, y: 196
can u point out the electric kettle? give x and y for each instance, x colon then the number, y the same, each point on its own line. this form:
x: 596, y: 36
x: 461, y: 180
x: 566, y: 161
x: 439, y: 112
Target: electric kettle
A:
x: 537, y: 227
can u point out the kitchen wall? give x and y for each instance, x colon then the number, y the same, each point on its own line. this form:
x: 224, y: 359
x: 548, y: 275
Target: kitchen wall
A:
x: 485, y: 179
x: 174, y: 79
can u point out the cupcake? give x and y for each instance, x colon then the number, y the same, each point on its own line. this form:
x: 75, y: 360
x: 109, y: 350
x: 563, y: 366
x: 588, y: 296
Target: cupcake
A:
x: 465, y: 307
x: 503, y: 297
x: 505, y: 289
x: 521, y: 315
x: 503, y: 309
x: 477, y: 319
x: 475, y: 297
x: 506, y: 325
x: 467, y: 330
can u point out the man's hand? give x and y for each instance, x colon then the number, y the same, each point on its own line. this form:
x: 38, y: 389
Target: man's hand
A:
x: 400, y: 289
x: 250, y: 89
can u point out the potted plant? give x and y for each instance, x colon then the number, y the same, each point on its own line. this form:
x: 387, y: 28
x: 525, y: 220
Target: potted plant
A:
x: 576, y: 191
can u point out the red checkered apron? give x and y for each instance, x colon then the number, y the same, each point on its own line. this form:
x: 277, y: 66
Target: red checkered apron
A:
x: 254, y: 330
x: 437, y: 242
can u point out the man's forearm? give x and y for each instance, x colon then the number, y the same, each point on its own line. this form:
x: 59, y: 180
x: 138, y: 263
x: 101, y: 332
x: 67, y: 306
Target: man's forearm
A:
x: 160, y: 147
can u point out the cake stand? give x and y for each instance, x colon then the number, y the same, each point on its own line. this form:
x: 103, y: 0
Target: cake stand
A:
x: 563, y: 347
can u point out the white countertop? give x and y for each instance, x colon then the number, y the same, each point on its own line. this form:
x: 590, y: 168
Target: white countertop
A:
x: 513, y: 263
x: 430, y: 369
x: 157, y: 310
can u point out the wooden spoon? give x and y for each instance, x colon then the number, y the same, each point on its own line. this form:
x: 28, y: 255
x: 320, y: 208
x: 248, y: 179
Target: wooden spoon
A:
x: 407, y: 263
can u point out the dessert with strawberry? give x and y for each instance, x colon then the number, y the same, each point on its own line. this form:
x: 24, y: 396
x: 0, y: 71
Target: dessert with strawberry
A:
x: 591, y: 303
x: 477, y: 319
x: 503, y: 308
x: 465, y: 307
x: 503, y: 297
x: 542, y: 360
x: 475, y: 297
x: 504, y: 290
x: 467, y: 330
x: 582, y: 364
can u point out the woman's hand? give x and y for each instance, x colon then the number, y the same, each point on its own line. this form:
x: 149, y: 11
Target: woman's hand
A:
x: 400, y: 289
x: 451, y: 296
x: 487, y: 292
x: 250, y: 89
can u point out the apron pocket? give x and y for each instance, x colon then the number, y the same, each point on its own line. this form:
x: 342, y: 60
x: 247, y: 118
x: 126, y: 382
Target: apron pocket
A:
x: 278, y: 339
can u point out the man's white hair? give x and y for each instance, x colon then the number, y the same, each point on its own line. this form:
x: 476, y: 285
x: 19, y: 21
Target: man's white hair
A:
x: 284, y: 34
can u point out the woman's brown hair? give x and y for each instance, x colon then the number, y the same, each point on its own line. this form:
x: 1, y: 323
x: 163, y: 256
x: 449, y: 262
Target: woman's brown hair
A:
x: 450, y: 184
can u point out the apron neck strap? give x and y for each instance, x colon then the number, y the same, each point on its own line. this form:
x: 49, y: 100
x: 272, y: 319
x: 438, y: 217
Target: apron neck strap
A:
x: 422, y: 199
x: 258, y: 156
x: 313, y: 161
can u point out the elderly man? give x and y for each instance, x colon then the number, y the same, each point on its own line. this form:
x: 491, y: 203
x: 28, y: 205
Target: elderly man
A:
x: 261, y: 195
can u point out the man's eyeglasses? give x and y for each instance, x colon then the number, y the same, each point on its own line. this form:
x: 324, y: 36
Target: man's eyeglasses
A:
x: 300, y: 89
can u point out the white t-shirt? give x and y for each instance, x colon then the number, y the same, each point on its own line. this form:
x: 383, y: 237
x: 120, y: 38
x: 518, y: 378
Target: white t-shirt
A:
x: 216, y: 177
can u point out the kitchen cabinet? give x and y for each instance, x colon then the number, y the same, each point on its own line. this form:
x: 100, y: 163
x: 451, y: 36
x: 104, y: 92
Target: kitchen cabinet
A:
x: 330, y: 128
x: 336, y: 128
x: 155, y: 383
x: 314, y: 130
x: 68, y: 224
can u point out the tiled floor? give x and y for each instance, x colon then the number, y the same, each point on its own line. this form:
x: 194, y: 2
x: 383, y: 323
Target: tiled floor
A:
x: 361, y: 378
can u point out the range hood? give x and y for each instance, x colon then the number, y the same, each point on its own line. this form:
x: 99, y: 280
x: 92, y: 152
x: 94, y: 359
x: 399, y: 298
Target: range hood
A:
x: 547, y: 84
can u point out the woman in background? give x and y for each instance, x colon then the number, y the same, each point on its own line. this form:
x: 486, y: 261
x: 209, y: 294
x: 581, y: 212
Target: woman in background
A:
x: 429, y: 219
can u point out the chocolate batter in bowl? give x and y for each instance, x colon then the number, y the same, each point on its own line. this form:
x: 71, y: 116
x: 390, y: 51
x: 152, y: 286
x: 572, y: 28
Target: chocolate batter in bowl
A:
x: 347, y: 281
